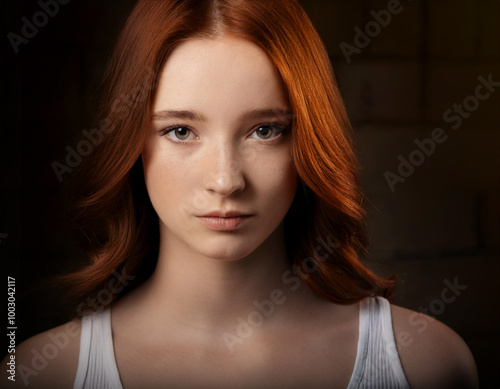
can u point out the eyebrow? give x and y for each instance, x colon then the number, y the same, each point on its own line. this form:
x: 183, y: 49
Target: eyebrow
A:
x: 194, y: 115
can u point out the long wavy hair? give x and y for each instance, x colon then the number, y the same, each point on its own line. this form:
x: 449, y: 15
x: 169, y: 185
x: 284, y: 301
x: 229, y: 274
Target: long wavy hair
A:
x: 113, y: 212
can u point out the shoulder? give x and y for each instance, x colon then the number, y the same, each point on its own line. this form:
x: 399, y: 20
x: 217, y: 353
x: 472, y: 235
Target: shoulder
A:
x: 432, y: 354
x: 46, y: 360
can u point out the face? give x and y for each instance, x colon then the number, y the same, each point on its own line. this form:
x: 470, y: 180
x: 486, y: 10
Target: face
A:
x: 220, y: 140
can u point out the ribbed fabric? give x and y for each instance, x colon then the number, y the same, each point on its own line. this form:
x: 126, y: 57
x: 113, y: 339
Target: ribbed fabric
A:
x: 377, y: 362
x: 97, y: 365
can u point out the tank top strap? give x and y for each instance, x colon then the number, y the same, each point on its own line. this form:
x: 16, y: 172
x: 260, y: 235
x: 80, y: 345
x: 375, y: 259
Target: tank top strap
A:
x: 96, y: 363
x: 377, y: 362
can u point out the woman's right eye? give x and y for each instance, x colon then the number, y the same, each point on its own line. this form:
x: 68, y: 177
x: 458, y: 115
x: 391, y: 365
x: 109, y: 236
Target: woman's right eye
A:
x: 176, y: 133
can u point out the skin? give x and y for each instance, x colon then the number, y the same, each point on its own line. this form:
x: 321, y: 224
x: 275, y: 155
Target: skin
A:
x: 205, y: 280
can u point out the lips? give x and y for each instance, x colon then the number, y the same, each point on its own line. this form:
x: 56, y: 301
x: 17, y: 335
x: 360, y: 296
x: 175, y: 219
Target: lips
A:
x: 230, y: 220
x: 227, y: 214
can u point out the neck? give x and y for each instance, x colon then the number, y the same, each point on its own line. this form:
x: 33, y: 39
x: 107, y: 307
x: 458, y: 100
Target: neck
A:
x: 207, y: 296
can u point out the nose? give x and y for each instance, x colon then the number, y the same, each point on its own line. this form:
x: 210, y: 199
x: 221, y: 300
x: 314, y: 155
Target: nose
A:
x: 225, y: 175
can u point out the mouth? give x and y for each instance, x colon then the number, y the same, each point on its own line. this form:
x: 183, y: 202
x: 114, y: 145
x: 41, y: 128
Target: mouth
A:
x: 220, y: 223
x: 228, y: 214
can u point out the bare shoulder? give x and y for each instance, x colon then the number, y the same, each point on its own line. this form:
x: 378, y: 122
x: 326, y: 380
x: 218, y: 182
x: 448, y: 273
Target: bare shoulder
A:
x: 432, y: 354
x: 46, y: 360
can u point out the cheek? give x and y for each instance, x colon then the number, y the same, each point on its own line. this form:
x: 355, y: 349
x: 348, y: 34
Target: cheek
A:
x: 165, y: 180
x: 278, y: 183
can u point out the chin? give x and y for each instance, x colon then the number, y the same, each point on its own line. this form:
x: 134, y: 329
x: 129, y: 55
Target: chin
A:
x: 227, y: 253
x: 228, y: 248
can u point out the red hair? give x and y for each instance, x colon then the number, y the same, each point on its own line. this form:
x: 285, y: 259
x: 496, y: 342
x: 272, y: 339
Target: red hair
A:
x: 114, y: 212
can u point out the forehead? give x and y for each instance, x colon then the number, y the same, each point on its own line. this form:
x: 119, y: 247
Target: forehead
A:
x: 220, y: 72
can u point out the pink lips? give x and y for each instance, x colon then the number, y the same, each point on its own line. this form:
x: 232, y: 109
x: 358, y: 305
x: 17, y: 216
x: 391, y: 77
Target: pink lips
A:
x: 224, y: 223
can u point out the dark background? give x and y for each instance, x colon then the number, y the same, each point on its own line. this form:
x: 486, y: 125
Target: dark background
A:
x: 441, y: 224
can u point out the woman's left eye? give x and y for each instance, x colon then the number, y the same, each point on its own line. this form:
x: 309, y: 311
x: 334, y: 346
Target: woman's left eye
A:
x: 266, y: 131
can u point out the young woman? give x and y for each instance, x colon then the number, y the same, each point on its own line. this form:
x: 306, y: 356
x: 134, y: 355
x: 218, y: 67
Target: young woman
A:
x: 225, y: 222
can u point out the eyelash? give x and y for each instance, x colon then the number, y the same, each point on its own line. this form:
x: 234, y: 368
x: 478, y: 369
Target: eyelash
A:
x: 279, y: 128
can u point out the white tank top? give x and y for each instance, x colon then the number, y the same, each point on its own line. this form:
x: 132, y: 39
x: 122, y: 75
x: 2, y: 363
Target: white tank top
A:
x: 377, y: 362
